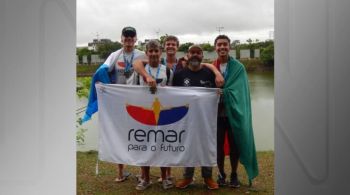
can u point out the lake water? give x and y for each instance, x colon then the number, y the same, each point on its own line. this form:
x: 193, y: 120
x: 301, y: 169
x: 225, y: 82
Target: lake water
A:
x: 262, y: 97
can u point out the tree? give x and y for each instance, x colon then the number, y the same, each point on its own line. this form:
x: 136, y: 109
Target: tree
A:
x: 235, y: 43
x: 267, y: 55
x: 84, y: 52
x: 249, y: 41
x: 184, y: 47
x: 162, y: 38
x: 107, y: 48
x: 251, y: 46
x: 207, y: 47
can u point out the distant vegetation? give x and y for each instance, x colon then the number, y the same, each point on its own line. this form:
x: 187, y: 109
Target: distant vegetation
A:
x: 265, y: 62
x: 83, y: 86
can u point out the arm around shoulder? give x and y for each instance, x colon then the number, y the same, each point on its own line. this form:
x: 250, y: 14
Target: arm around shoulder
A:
x: 219, y: 79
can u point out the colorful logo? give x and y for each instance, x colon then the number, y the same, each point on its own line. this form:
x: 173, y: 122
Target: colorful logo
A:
x: 121, y: 64
x: 157, y: 114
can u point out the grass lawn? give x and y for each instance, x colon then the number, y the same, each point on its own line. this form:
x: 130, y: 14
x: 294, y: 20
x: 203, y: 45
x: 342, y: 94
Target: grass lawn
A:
x: 89, y: 183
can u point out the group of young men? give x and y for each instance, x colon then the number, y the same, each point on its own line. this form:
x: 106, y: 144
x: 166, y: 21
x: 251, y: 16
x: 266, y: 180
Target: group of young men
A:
x: 131, y: 66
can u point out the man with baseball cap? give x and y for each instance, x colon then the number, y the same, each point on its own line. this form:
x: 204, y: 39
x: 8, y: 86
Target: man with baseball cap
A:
x: 117, y: 69
x: 195, y: 75
x: 129, y: 31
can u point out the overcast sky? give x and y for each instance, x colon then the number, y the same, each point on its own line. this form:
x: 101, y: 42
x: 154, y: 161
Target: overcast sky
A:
x: 194, y: 21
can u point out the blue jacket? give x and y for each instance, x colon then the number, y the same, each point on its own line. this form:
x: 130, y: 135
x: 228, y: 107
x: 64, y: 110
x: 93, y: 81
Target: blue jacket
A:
x: 105, y: 74
x: 101, y: 75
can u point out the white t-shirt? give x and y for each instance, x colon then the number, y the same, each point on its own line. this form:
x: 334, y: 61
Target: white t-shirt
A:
x: 223, y: 68
x: 122, y: 62
x: 158, y: 73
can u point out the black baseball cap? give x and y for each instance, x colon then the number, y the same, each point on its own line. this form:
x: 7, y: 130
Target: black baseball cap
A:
x: 129, y: 31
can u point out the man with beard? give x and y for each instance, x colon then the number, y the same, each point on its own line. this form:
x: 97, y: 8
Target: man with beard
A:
x: 171, y: 45
x: 234, y: 116
x: 195, y: 75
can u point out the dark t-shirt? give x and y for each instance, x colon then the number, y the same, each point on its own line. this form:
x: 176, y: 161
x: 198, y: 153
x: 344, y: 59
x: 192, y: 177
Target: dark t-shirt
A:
x: 188, y: 78
x: 176, y: 67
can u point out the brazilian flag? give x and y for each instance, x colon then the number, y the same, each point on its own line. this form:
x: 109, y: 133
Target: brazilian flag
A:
x: 238, y: 110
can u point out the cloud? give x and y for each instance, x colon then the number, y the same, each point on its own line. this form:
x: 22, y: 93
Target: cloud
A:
x: 193, y: 20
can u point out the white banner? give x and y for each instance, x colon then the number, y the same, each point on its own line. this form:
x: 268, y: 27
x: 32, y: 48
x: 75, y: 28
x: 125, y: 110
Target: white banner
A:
x: 174, y: 127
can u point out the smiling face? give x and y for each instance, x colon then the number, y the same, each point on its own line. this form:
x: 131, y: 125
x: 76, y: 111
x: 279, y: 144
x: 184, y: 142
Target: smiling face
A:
x: 170, y: 47
x: 222, y: 47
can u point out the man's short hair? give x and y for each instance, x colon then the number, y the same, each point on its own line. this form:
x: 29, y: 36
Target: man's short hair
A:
x: 195, y: 46
x: 171, y: 38
x: 222, y: 37
x: 154, y: 43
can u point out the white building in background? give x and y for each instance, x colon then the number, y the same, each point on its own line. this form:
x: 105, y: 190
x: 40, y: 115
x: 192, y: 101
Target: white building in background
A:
x: 93, y: 45
x: 139, y: 43
x: 142, y: 45
x: 207, y: 55
x: 95, y: 59
x: 85, y: 59
x: 245, y: 53
x: 232, y: 53
x: 257, y: 53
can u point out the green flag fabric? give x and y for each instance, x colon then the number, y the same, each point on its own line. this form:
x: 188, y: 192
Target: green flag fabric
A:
x: 238, y: 110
